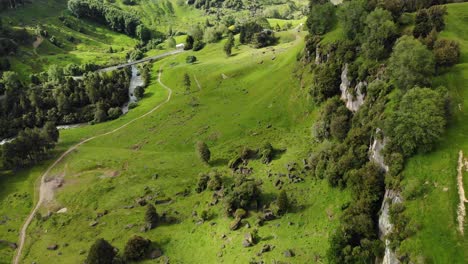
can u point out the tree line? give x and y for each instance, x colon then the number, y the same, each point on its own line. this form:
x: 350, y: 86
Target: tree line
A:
x: 116, y: 19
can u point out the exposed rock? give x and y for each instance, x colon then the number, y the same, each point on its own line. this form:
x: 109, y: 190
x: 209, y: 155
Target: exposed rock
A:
x: 62, y: 211
x: 235, y: 224
x: 353, y: 100
x: 249, y: 238
x: 141, y: 201
x: 288, y: 253
x: 266, y: 248
x: 376, y: 149
x: 94, y: 223
x: 246, y: 243
x: 52, y: 247
x: 82, y: 252
x: 385, y: 226
x: 156, y: 253
x: 268, y: 215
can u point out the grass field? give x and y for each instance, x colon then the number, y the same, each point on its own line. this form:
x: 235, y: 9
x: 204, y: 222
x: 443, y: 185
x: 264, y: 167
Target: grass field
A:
x: 438, y: 240
x: 91, y: 45
x: 245, y: 100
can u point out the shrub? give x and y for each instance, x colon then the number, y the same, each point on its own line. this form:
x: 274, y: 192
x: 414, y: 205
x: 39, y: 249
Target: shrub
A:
x: 282, y: 202
x: 242, y: 195
x: 215, y: 183
x: 139, y: 92
x: 202, y: 182
x: 136, y: 248
x: 203, y: 151
x: 101, y: 252
x: 198, y: 45
x: 114, y: 113
x: 266, y: 153
x: 191, y: 59
x: 151, y: 216
x: 447, y: 52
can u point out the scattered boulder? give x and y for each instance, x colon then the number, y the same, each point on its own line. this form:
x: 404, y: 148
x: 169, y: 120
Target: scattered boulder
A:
x: 52, y: 247
x: 268, y: 215
x: 141, y: 201
x: 156, y: 253
x: 235, y: 224
x: 94, y: 223
x: 246, y: 243
x: 265, y: 248
x: 288, y: 253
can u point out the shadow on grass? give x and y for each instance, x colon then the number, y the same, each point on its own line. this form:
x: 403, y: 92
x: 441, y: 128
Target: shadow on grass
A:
x: 219, y: 162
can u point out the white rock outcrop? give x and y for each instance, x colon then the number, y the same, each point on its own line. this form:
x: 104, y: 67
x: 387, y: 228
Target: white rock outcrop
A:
x: 353, y: 100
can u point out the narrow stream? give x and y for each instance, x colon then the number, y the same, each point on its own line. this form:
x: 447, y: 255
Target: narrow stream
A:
x: 136, y: 81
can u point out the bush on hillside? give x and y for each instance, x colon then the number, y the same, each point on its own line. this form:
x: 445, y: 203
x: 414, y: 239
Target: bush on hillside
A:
x: 101, y: 252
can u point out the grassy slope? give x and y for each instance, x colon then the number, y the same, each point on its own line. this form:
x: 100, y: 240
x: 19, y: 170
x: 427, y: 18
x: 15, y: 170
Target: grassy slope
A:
x: 232, y: 112
x: 438, y: 240
x: 91, y: 46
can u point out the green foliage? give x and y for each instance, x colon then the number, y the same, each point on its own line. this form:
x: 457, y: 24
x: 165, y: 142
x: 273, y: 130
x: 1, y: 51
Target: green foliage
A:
x: 151, y: 216
x: 171, y: 42
x: 139, y: 92
x: 334, y: 120
x: 267, y: 153
x: 101, y: 252
x: 379, y: 33
x: 321, y: 18
x: 189, y: 43
x: 116, y: 19
x: 248, y: 31
x: 411, y: 63
x: 136, y: 248
x: 203, y: 151
x: 114, y: 113
x: 191, y: 59
x: 326, y: 82
x: 242, y: 194
x: 229, y: 44
x: 352, y: 15
x: 202, y: 182
x: 215, y: 183
x: 282, y: 202
x: 418, y: 122
x: 446, y: 52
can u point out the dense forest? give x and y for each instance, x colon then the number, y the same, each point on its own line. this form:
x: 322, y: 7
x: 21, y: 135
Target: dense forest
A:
x: 392, y: 65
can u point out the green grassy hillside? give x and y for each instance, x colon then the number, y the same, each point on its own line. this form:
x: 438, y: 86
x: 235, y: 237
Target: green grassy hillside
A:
x: 245, y: 100
x: 433, y: 211
x: 90, y: 43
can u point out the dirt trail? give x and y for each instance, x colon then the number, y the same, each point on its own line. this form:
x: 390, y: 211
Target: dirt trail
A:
x: 461, y: 212
x: 44, y: 191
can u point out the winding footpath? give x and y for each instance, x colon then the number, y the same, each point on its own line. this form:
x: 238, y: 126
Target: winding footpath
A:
x: 43, y: 190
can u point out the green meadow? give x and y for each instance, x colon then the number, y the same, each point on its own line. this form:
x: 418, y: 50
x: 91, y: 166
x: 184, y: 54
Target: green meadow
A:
x: 433, y: 211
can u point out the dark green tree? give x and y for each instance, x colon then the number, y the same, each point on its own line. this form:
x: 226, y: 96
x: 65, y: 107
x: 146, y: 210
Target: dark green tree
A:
x: 283, y: 202
x: 411, y: 63
x: 137, y: 248
x: 229, y: 45
x: 203, y: 151
x: 151, y: 216
x: 101, y: 252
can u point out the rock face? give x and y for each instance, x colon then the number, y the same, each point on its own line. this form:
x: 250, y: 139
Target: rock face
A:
x: 385, y: 226
x: 375, y: 150
x: 353, y: 100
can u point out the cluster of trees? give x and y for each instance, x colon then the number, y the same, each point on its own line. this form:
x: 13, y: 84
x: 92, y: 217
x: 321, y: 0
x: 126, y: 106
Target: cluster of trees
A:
x: 29, y: 147
x: 111, y: 16
x: 414, y: 122
x: 11, y: 38
x: 208, y: 4
x: 136, y: 249
x: 60, y: 99
x: 258, y: 33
